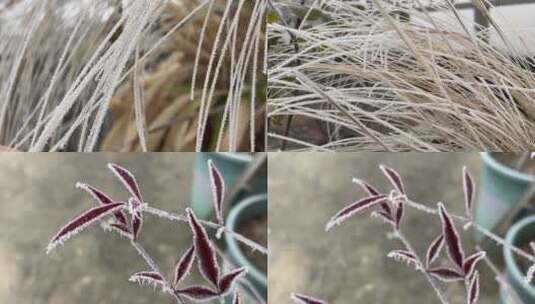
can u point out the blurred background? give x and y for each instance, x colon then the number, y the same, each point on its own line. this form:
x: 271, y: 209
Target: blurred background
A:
x: 38, y: 196
x: 348, y: 264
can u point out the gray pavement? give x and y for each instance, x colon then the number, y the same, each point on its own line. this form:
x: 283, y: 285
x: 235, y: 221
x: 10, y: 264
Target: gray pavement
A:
x: 37, y: 196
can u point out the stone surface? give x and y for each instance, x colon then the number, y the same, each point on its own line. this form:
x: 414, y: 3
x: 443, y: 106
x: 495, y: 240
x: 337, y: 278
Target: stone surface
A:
x: 37, y: 197
x: 348, y: 264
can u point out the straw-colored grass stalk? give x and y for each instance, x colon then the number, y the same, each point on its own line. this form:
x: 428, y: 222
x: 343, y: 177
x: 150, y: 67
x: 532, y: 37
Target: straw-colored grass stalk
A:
x: 364, y: 78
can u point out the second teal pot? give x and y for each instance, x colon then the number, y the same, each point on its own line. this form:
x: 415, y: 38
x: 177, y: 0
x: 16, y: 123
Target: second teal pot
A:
x: 520, y: 233
x: 500, y: 188
x: 252, y: 207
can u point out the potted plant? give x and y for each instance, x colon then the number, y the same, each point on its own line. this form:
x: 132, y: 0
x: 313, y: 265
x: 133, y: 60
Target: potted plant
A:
x: 249, y: 218
x: 233, y: 167
x: 520, y: 235
x: 505, y: 178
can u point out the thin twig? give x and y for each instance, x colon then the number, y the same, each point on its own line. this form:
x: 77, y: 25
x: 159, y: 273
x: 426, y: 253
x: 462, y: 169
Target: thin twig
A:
x: 181, y: 218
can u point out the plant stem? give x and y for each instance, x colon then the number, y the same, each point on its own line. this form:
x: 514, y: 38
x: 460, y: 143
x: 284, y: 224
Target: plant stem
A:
x: 180, y: 218
x: 408, y: 246
x: 500, y: 278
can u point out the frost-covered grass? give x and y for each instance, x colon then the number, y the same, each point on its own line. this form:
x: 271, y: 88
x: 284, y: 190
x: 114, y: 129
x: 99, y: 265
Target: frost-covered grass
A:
x: 374, y: 80
x: 62, y: 63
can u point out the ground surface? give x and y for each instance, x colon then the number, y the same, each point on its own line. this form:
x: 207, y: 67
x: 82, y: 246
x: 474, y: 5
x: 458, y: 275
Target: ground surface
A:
x: 38, y: 196
x: 349, y: 263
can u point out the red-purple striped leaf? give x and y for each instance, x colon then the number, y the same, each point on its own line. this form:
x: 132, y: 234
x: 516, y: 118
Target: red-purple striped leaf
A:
x: 184, y: 265
x: 83, y: 221
x: 387, y: 217
x: 353, y: 209
x: 367, y: 187
x: 302, y: 299
x: 149, y: 277
x: 128, y: 180
x: 399, y: 214
x: 403, y: 253
x: 469, y: 190
x: 371, y: 192
x: 405, y: 256
x: 198, y: 293
x: 121, y: 227
x: 236, y: 299
x: 137, y: 223
x: 228, y: 279
x: 451, y: 236
x: 446, y: 274
x: 471, y: 261
x: 204, y: 250
x: 102, y: 199
x: 473, y: 289
x: 218, y: 190
x: 434, y: 250
x: 394, y: 178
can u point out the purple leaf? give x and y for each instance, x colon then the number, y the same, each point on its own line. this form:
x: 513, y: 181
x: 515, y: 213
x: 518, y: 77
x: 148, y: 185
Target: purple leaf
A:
x: 137, y: 223
x: 399, y: 214
x: 367, y: 187
x: 121, y: 227
x: 394, y: 178
x: 103, y: 199
x: 226, y: 281
x: 471, y: 261
x: 453, y: 242
x: 302, y: 299
x: 372, y: 192
x: 446, y: 274
x: 184, y: 265
x: 236, y: 299
x: 468, y: 186
x: 218, y: 190
x: 354, y: 208
x: 473, y: 291
x: 204, y: 250
x: 405, y: 256
x: 83, y: 221
x: 403, y: 253
x: 434, y: 250
x: 197, y: 292
x: 147, y: 276
x: 128, y: 180
x: 387, y: 217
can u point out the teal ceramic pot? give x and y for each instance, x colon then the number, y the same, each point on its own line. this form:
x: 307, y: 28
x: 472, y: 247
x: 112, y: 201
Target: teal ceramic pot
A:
x: 251, y: 207
x: 500, y: 188
x: 520, y: 233
x: 231, y: 166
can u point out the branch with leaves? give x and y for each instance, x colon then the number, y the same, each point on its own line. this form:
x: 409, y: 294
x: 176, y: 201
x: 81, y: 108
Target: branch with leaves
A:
x: 126, y: 218
x: 390, y: 207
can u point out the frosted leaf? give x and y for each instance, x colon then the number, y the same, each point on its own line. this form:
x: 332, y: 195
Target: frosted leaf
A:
x: 303, y: 299
x: 353, y: 209
x: 81, y: 222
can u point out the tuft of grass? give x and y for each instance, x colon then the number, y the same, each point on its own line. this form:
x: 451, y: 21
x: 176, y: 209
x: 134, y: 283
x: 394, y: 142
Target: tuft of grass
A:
x: 388, y: 77
x: 63, y: 64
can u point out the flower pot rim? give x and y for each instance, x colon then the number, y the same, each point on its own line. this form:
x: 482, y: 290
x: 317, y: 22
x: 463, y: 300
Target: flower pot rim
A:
x: 233, y: 244
x: 510, y: 262
x: 238, y: 157
x: 510, y: 172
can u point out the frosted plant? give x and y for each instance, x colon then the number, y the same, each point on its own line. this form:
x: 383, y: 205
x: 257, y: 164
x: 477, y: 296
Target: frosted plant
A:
x: 396, y: 76
x: 126, y: 219
x: 63, y: 61
x: 391, y: 207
